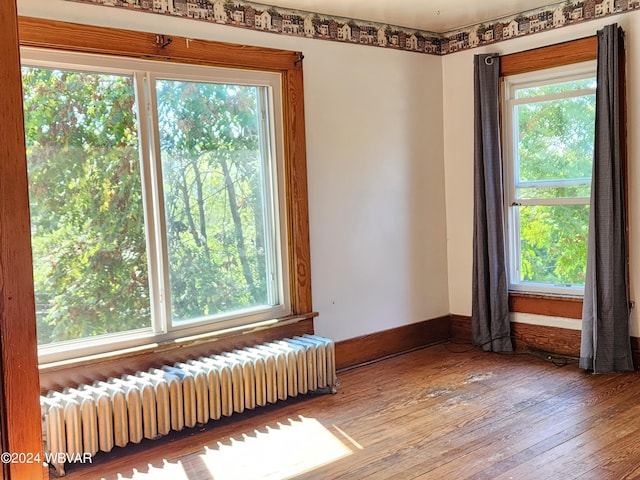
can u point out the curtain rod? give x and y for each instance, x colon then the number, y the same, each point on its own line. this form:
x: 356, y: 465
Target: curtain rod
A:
x: 488, y: 60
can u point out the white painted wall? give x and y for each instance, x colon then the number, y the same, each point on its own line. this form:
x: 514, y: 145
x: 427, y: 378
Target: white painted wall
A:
x: 375, y: 169
x: 376, y: 178
x: 458, y: 155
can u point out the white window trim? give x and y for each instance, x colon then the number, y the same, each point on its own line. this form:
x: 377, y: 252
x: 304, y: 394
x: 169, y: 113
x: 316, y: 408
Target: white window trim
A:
x: 509, y: 85
x: 161, y: 330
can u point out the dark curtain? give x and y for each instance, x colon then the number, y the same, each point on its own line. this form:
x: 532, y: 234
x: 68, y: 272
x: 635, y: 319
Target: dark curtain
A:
x: 490, y: 304
x: 605, y: 345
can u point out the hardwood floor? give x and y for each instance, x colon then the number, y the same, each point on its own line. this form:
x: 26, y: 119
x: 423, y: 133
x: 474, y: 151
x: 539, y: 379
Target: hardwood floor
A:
x: 444, y: 412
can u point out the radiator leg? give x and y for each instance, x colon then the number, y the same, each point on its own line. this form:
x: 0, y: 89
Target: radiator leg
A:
x: 59, y: 467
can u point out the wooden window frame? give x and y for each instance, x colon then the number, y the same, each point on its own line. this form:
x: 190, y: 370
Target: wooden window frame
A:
x: 20, y: 424
x: 64, y: 36
x: 567, y: 53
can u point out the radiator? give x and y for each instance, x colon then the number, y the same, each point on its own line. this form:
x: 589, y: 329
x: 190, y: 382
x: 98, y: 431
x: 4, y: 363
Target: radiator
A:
x: 79, y: 422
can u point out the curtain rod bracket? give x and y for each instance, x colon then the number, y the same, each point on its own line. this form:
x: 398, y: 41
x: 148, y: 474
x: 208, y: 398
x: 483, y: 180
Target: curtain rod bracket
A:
x: 489, y: 60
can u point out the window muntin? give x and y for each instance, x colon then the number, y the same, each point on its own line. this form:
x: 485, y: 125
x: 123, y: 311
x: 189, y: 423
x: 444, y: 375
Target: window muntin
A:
x: 549, y: 119
x: 254, y: 155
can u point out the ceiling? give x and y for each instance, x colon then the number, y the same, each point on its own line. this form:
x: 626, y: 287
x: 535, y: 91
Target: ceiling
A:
x: 430, y: 15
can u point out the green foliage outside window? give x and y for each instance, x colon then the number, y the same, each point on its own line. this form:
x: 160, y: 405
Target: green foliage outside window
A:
x: 90, y: 263
x: 555, y: 145
x: 214, y: 201
x: 87, y: 217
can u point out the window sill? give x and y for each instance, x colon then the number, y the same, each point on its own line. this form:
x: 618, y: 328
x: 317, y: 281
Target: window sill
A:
x: 71, y: 373
x: 550, y: 305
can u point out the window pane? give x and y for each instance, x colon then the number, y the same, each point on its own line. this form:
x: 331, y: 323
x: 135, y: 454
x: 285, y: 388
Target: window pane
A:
x: 583, y: 84
x: 555, y: 139
x: 216, y: 209
x: 89, y: 248
x: 553, y: 244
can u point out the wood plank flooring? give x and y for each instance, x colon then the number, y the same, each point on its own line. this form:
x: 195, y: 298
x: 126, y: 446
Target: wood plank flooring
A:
x: 444, y: 412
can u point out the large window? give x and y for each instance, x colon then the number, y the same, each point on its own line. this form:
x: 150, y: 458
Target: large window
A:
x: 549, y: 119
x: 157, y: 199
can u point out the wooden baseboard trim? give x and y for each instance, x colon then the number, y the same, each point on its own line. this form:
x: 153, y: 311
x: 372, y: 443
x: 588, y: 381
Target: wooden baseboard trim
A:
x: 367, y: 348
x: 635, y: 352
x: 461, y: 328
x: 561, y: 341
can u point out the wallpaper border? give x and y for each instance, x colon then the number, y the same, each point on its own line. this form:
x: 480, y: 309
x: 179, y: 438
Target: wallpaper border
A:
x: 300, y: 23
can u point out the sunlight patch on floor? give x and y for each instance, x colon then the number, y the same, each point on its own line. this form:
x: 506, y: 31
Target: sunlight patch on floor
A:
x: 169, y: 471
x: 275, y: 453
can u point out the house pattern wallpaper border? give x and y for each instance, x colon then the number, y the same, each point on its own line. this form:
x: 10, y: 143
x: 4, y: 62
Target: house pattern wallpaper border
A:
x: 553, y: 16
x: 298, y: 23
